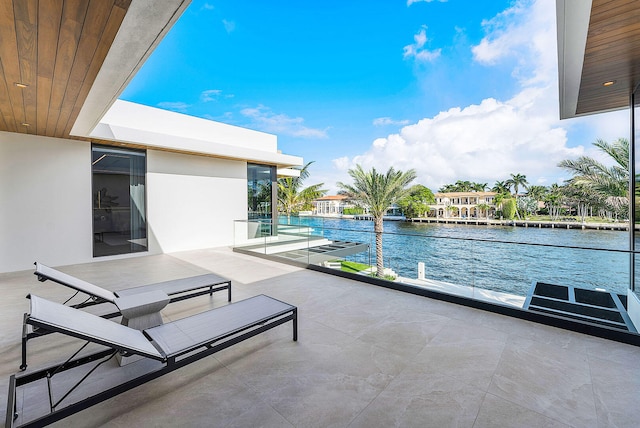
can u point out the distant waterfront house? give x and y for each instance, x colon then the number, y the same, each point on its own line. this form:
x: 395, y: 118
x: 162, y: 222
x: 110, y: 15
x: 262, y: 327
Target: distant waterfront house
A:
x: 463, y: 205
x: 335, y: 205
x: 331, y: 205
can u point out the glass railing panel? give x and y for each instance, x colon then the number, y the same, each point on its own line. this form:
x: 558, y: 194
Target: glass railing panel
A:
x: 252, y: 235
x: 501, y: 272
x: 513, y: 269
x: 439, y: 264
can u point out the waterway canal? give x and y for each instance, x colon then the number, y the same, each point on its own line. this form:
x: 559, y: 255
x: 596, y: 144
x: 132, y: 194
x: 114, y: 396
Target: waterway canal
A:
x: 492, y: 257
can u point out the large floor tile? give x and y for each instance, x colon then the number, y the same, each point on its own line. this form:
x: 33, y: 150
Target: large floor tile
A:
x: 325, y: 379
x: 617, y: 390
x: 423, y: 399
x: 466, y: 352
x: 497, y: 412
x: 548, y: 380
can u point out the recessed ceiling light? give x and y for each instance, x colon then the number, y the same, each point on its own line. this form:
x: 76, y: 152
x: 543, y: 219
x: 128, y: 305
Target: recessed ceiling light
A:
x: 21, y: 85
x: 609, y: 83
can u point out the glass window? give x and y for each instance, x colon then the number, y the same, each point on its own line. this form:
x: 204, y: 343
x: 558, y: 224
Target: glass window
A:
x: 119, y: 205
x: 261, y: 188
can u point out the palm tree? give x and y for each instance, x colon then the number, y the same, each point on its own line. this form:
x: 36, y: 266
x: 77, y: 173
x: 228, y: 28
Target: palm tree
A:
x: 608, y: 181
x: 484, y: 208
x: 464, y: 186
x: 377, y: 192
x: 499, y: 198
x: 515, y: 182
x: 291, y: 197
x: 500, y: 187
x: 479, y: 187
x: 536, y: 192
x: 448, y: 188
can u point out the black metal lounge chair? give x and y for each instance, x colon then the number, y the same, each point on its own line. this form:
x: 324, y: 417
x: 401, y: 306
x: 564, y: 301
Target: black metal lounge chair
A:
x: 175, y: 345
x: 144, y: 302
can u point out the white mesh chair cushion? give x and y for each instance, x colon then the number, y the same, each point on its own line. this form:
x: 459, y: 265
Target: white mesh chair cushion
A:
x: 90, y: 327
x: 176, y: 286
x: 75, y: 283
x: 188, y: 333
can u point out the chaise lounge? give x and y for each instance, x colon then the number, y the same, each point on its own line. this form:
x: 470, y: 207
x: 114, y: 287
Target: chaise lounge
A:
x: 139, y: 306
x: 174, y: 345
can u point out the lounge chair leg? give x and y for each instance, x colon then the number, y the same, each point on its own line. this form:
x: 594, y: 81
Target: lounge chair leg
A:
x: 25, y: 337
x: 295, y: 325
x: 23, y: 366
x: 229, y: 290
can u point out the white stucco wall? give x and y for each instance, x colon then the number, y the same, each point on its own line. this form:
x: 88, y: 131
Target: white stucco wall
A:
x: 45, y: 201
x: 193, y: 201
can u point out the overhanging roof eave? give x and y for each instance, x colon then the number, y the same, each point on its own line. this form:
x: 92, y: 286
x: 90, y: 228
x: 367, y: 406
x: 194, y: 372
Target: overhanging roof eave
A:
x: 144, y: 26
x: 572, y: 28
x: 173, y: 143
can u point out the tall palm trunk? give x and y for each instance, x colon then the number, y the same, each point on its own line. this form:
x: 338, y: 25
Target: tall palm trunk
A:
x: 378, y: 228
x: 517, y: 208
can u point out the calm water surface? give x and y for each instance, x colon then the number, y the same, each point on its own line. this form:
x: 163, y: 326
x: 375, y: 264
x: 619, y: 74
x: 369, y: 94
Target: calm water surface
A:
x: 457, y: 253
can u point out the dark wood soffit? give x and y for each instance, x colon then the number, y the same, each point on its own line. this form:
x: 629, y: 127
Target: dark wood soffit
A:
x: 612, y: 54
x: 56, y: 47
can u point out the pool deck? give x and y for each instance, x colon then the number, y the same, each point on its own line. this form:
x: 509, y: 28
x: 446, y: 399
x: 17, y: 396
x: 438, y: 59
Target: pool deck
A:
x: 366, y: 356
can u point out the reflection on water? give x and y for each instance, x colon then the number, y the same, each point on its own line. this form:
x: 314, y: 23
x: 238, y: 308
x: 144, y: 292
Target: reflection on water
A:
x: 457, y: 254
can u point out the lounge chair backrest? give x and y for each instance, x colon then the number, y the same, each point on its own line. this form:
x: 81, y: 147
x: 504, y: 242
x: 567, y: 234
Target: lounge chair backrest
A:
x: 93, y: 328
x: 47, y: 272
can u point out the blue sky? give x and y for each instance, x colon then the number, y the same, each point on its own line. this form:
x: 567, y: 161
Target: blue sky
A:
x: 455, y: 89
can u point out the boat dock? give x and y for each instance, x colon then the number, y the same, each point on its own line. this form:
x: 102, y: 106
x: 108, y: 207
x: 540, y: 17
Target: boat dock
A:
x: 622, y: 226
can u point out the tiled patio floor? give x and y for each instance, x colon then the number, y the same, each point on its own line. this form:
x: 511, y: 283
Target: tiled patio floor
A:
x: 366, y: 357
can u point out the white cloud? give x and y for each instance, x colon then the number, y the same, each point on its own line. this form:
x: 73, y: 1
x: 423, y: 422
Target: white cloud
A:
x: 229, y: 26
x: 178, y: 106
x: 483, y: 142
x: 342, y: 163
x: 210, y: 95
x: 384, y: 121
x: 417, y: 50
x: 410, y: 2
x: 208, y: 6
x: 524, y: 33
x: 489, y: 140
x: 263, y: 118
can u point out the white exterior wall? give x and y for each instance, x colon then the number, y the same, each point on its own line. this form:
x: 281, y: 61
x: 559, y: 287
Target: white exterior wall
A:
x: 192, y: 201
x: 45, y: 201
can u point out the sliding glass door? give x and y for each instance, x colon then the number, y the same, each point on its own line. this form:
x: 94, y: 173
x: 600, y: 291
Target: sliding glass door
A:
x: 119, y: 205
x: 262, y: 188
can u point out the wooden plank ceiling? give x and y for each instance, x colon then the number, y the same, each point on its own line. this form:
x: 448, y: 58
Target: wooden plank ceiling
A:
x: 612, y: 53
x: 55, y: 48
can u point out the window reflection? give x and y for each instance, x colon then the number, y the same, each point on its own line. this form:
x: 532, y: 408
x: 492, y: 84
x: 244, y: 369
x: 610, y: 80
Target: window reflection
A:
x: 119, y: 209
x: 260, y: 186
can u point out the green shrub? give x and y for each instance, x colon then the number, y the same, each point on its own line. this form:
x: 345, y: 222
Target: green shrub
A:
x: 509, y: 208
x: 353, y: 211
